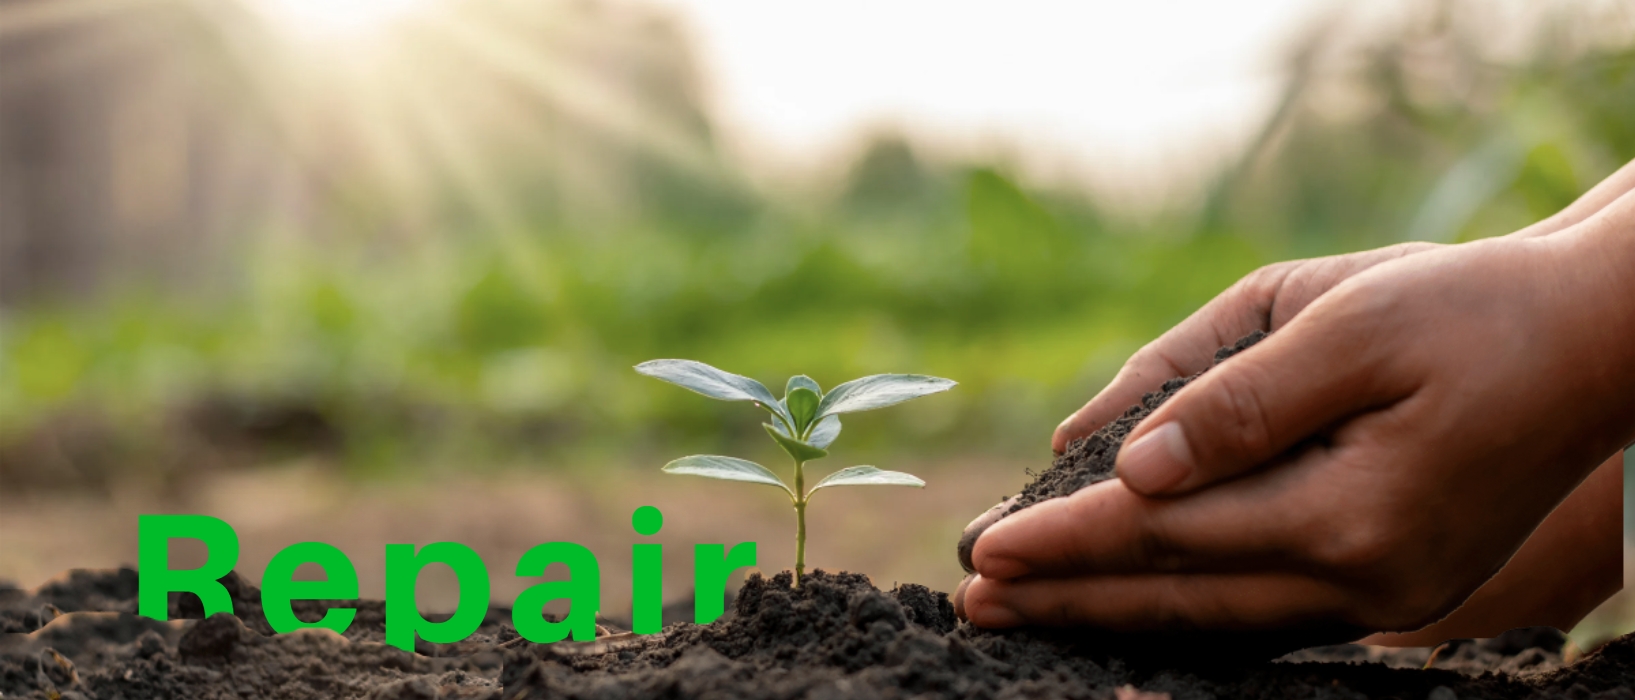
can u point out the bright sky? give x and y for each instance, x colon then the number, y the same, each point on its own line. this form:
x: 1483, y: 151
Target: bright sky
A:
x: 1077, y: 87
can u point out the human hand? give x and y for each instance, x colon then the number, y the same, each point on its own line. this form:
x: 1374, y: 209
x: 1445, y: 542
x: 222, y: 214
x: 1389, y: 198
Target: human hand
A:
x: 1413, y: 447
x: 1265, y: 300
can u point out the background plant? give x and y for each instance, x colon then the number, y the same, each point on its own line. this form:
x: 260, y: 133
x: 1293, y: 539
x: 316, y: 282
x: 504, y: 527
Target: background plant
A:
x: 805, y: 422
x: 483, y: 312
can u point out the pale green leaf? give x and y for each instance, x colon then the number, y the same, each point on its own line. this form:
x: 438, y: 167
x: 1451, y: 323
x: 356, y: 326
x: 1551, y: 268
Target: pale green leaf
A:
x: 801, y: 380
x: 825, y: 432
x: 727, y: 468
x: 879, y: 391
x: 712, y: 382
x: 778, y: 427
x: 868, y: 476
x: 801, y: 451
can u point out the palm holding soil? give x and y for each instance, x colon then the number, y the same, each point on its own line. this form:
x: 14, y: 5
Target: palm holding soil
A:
x: 1418, y: 413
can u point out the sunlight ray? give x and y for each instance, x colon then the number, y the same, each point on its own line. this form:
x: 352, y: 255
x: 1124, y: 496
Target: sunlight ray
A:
x: 17, y: 19
x: 586, y: 99
x: 452, y: 149
x: 390, y: 147
x: 66, y: 60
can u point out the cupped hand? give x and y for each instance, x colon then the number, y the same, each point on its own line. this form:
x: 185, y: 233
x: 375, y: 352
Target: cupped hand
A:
x: 1417, y: 413
x: 1266, y: 300
x: 1272, y: 295
x: 1263, y: 301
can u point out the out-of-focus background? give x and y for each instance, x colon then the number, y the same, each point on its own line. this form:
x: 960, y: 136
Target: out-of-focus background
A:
x: 377, y: 270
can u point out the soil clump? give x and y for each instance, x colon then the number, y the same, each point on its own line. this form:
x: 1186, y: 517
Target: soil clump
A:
x: 1088, y: 460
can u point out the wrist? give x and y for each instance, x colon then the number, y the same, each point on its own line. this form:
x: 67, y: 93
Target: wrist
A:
x: 1600, y: 252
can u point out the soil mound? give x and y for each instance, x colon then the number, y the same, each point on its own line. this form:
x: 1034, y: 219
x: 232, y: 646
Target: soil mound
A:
x: 837, y: 636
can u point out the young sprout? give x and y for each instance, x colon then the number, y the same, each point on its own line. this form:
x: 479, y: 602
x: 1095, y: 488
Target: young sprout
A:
x: 804, y: 423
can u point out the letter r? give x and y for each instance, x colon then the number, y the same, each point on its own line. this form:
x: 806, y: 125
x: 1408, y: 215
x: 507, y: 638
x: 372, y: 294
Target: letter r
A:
x: 156, y: 580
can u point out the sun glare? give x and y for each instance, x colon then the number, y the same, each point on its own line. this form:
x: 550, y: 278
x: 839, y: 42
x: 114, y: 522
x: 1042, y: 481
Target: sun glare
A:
x: 337, y: 18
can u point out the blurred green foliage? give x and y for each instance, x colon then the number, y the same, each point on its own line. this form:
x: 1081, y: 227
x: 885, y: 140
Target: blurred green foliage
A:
x: 491, y: 347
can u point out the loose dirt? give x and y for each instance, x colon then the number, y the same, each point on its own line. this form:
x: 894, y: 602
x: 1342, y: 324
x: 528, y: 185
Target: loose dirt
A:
x: 837, y: 636
x: 1088, y: 460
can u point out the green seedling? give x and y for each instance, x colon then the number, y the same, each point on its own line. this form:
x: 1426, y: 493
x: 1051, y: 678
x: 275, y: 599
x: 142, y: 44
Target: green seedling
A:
x: 804, y: 423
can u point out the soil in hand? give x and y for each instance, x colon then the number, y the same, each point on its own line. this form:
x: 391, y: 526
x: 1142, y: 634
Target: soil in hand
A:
x: 1088, y: 460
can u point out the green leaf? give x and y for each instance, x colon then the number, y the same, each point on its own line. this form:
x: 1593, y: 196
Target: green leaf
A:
x: 825, y: 432
x: 801, y: 451
x: 879, y: 391
x: 867, y: 476
x: 802, y: 403
x: 712, y: 382
x: 782, y: 414
x: 801, y: 380
x: 727, y: 468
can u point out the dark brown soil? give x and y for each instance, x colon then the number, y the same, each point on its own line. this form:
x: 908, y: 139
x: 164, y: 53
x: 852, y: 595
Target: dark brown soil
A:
x: 1089, y: 460
x: 836, y: 636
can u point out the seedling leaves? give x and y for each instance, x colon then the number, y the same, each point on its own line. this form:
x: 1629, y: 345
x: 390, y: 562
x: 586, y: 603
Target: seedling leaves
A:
x: 801, y: 451
x: 805, y: 422
x: 868, y: 476
x: 727, y: 468
x: 801, y: 380
x: 712, y: 382
x: 825, y: 432
x: 803, y: 405
x: 879, y: 391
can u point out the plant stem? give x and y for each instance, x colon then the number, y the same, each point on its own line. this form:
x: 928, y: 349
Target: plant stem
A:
x: 800, y: 521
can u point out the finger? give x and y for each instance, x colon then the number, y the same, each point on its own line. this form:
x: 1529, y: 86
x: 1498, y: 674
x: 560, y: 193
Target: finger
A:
x: 1591, y: 203
x: 1151, y: 602
x: 1109, y: 529
x: 974, y: 530
x: 959, y: 596
x: 1186, y: 349
x: 1265, y: 300
x: 1311, y: 374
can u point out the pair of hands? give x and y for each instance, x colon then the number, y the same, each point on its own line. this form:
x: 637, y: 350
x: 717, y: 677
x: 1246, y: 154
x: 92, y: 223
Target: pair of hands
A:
x: 1416, y: 415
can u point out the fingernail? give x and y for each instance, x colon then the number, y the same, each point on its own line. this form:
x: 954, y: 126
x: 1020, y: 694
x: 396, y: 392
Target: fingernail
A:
x: 967, y: 539
x: 959, y: 596
x: 1159, y: 461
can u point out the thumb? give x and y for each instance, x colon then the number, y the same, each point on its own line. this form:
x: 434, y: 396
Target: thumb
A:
x: 1250, y: 409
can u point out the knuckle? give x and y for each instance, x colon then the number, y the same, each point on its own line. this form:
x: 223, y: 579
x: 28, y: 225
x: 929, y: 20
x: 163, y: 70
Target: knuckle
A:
x: 1066, y: 610
x: 1401, y: 249
x: 1264, y: 282
x: 1149, y: 359
x: 1354, y: 545
x: 1239, y: 409
x: 1252, y: 297
x: 1155, y: 551
x: 1179, y: 608
x: 1197, y: 608
x: 1366, y: 301
x: 1403, y: 608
